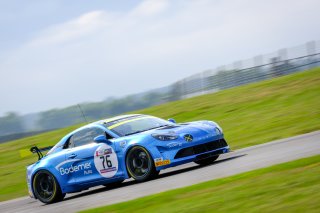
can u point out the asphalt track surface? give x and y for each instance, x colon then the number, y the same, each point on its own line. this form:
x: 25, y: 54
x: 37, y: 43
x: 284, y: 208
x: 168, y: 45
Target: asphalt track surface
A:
x: 240, y: 161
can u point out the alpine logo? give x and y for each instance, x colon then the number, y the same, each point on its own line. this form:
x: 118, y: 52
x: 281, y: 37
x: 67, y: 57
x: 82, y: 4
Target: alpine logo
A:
x: 188, y: 137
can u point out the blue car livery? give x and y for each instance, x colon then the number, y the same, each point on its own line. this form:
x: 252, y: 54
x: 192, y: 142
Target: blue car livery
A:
x: 109, y: 151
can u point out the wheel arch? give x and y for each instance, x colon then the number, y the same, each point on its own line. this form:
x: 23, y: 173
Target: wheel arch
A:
x: 135, y: 145
x: 126, y: 154
x: 36, y: 172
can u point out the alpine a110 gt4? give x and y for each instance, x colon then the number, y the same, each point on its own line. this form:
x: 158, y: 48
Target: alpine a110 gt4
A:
x: 109, y: 151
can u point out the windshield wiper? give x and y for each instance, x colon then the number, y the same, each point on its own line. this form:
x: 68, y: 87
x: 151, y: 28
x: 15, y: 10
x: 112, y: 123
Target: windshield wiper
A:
x: 156, y: 127
x: 132, y: 133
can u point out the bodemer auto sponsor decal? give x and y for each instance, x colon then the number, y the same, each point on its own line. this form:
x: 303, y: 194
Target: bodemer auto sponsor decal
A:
x: 71, y: 169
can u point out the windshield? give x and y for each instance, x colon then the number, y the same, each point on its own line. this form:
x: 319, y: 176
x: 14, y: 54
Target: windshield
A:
x: 136, y: 124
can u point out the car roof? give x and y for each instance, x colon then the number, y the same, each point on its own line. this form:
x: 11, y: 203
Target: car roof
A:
x: 101, y: 122
x: 120, y: 117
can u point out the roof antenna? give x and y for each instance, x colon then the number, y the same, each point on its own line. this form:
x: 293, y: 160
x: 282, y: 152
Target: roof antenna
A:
x: 84, y: 117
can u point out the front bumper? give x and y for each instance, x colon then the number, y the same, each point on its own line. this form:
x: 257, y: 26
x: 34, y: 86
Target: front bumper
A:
x: 186, y: 154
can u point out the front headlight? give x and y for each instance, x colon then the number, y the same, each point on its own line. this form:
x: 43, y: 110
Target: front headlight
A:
x: 164, y: 137
x: 218, y: 131
x: 217, y: 126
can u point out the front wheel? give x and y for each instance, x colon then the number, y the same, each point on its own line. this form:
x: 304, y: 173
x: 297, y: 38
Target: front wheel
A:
x: 140, y: 165
x: 207, y: 161
x: 46, y: 188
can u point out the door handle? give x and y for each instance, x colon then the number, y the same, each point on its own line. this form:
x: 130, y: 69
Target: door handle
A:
x: 72, y: 156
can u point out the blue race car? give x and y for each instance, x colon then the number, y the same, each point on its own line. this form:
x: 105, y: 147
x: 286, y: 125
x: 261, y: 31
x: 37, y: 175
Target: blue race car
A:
x: 109, y: 151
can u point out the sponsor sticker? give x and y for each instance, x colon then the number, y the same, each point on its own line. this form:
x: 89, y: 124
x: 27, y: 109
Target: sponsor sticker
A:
x: 103, y: 152
x: 76, y: 168
x: 174, y: 144
x: 123, y: 144
x: 161, y: 162
x: 108, y: 170
x: 158, y: 159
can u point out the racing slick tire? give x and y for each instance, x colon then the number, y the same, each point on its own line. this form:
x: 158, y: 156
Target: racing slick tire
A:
x: 46, y: 187
x: 140, y: 165
x: 207, y: 161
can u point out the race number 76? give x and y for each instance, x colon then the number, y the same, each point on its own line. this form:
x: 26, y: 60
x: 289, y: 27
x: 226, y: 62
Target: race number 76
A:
x: 106, y: 161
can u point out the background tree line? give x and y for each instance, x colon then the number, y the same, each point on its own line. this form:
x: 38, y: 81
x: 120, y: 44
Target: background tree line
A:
x: 13, y: 125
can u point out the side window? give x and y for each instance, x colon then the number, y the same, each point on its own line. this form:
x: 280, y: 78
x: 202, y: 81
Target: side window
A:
x: 84, y: 137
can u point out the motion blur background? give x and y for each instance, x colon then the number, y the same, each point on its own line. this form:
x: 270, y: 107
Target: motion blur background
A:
x: 113, y: 57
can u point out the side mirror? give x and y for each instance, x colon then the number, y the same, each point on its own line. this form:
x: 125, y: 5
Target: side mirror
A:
x: 101, y: 139
x: 172, y: 120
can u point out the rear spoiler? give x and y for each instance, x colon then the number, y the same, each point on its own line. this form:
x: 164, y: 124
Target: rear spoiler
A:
x: 39, y: 151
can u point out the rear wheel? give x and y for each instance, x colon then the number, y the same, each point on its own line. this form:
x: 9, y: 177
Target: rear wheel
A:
x: 46, y: 188
x: 140, y: 165
x: 207, y: 161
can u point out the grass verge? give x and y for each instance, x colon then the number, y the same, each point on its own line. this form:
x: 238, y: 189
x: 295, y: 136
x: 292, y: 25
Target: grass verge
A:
x: 288, y: 187
x: 250, y: 115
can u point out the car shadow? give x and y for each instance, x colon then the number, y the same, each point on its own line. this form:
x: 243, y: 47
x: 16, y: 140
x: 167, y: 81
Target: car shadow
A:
x: 130, y: 182
x: 175, y: 172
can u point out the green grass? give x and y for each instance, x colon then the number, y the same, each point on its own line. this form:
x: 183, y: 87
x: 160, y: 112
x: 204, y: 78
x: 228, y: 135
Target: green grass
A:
x: 255, y: 113
x: 288, y: 187
x: 250, y: 114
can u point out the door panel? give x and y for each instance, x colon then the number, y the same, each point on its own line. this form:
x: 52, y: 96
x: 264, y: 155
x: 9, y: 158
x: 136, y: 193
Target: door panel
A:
x: 91, y: 161
x: 84, y: 168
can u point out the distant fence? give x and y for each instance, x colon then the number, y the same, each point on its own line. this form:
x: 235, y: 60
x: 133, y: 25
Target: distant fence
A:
x: 282, y: 62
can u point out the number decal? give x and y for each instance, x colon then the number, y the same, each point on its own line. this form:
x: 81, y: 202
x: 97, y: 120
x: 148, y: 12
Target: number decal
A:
x: 106, y: 161
x: 109, y: 163
x: 102, y: 157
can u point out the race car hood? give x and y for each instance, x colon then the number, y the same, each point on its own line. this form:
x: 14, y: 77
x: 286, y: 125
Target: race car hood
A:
x: 196, y: 129
x: 199, y: 130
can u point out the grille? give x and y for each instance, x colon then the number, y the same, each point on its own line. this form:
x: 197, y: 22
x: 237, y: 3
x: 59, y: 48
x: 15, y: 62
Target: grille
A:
x: 198, y: 149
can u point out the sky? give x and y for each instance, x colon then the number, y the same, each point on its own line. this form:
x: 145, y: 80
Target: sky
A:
x: 56, y: 53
